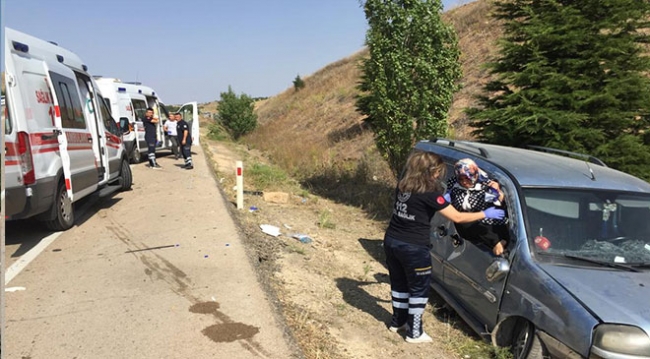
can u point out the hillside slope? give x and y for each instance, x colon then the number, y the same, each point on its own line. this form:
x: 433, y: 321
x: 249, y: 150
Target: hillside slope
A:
x: 317, y: 129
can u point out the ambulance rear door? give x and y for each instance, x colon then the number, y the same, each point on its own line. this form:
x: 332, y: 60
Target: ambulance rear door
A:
x: 190, y: 114
x: 75, y: 139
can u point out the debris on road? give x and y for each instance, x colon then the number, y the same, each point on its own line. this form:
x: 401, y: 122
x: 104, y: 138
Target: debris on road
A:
x: 270, y: 230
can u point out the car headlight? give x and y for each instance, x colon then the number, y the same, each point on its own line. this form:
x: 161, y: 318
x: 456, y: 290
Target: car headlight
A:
x: 610, y: 339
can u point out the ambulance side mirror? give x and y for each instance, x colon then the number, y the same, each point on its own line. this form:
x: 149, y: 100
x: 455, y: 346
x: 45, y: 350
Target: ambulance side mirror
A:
x: 124, y: 125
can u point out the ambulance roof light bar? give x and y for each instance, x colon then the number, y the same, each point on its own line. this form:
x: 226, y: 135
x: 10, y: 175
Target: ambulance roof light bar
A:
x: 19, y: 46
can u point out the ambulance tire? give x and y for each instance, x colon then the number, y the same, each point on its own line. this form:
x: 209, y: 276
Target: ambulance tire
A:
x: 135, y: 155
x: 127, y: 176
x: 62, y: 211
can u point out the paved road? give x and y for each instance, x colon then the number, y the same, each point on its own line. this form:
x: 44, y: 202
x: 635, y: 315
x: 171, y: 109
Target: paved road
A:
x: 156, y: 272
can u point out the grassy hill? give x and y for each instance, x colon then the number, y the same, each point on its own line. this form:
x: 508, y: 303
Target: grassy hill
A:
x: 316, y: 134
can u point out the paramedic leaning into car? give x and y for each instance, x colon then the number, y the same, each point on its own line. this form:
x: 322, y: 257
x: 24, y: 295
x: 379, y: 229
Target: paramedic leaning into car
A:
x: 150, y: 136
x: 419, y: 194
x: 470, y: 190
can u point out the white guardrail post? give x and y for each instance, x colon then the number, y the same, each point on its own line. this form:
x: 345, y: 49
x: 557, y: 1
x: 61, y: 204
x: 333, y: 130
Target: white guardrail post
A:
x: 240, y: 184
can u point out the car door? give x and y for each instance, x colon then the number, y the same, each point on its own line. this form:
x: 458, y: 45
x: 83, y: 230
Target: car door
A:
x: 464, y: 265
x: 190, y: 114
x: 464, y: 275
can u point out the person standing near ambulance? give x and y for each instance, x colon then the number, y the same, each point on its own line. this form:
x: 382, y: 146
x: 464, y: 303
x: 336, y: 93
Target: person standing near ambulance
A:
x: 418, y: 196
x: 185, y: 140
x: 150, y: 124
x: 170, y: 132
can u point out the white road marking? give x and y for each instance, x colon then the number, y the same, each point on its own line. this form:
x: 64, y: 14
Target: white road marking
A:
x: 26, y: 258
x: 14, y: 289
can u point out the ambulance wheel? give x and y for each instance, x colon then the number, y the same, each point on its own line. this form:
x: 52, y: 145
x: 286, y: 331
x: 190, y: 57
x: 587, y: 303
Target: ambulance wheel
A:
x: 63, y: 211
x: 127, y: 176
x: 135, y: 155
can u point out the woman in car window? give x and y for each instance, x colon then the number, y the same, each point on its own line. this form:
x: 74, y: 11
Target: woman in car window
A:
x: 471, y: 190
x: 418, y: 196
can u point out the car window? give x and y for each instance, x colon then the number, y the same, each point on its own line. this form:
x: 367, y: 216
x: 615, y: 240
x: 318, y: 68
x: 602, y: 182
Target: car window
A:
x: 603, y: 225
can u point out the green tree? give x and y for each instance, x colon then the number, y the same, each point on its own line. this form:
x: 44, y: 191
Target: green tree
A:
x: 237, y: 113
x: 571, y: 75
x: 409, y: 79
x: 298, y: 83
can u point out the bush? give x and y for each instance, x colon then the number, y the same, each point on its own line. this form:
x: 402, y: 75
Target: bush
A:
x: 298, y: 83
x: 237, y: 113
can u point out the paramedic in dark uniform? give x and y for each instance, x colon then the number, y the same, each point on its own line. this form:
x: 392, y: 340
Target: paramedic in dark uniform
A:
x: 185, y: 140
x: 418, y: 196
x: 150, y: 137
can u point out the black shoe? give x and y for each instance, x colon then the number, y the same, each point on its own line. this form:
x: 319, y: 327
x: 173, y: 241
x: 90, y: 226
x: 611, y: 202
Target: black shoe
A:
x: 190, y: 167
x: 156, y: 166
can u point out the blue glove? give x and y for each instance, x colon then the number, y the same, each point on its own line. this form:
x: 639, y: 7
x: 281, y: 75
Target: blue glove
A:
x: 494, y: 213
x: 447, y: 197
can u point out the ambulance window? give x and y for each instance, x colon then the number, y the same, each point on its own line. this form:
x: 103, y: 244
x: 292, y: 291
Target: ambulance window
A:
x: 109, y: 122
x: 163, y: 110
x: 66, y: 93
x: 140, y: 108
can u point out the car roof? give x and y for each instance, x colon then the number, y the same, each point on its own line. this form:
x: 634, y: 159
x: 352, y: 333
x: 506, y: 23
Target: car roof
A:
x: 536, y: 168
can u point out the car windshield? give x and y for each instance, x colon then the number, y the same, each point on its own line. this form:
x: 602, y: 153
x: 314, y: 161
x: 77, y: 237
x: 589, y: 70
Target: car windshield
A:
x: 608, y: 226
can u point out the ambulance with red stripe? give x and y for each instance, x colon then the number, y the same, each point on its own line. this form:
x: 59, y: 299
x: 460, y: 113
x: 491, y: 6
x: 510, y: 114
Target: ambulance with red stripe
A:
x: 129, y: 102
x: 61, y: 143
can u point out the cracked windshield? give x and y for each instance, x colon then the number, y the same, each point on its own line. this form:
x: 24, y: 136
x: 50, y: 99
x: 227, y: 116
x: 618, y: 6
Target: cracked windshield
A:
x: 597, y: 227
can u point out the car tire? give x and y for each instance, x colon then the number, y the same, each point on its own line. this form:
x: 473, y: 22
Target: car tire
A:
x: 64, y: 211
x: 526, y: 343
x: 127, y: 176
x: 135, y: 155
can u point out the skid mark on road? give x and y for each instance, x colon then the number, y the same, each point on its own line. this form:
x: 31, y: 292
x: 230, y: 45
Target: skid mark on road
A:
x: 159, y: 268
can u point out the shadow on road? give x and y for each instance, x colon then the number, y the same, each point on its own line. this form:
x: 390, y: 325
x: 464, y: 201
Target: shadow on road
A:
x: 28, y: 233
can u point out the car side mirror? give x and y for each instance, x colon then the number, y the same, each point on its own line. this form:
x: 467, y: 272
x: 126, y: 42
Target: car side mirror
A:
x: 497, y: 269
x: 124, y: 125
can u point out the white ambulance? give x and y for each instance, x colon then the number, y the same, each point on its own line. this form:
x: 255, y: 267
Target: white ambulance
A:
x: 129, y: 102
x: 61, y: 143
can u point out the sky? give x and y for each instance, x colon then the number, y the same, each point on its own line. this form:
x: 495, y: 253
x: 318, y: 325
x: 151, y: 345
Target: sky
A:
x: 193, y: 50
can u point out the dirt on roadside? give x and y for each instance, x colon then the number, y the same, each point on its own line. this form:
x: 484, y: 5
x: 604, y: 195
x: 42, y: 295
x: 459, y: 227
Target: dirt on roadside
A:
x: 333, y: 292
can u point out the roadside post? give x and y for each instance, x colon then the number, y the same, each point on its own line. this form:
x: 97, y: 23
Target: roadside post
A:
x: 240, y: 184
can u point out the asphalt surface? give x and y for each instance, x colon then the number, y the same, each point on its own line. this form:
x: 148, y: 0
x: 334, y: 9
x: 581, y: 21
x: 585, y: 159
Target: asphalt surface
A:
x: 156, y: 272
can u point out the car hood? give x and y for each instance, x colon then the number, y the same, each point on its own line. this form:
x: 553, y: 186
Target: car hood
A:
x: 615, y: 296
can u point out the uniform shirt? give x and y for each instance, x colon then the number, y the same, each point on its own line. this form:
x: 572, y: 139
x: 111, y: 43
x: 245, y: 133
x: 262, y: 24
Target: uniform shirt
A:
x: 475, y: 199
x: 149, y: 129
x: 171, y: 128
x: 181, y: 126
x: 411, y: 219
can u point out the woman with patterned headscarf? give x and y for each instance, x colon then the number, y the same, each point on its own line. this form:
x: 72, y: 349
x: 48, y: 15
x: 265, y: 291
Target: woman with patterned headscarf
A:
x: 471, y: 190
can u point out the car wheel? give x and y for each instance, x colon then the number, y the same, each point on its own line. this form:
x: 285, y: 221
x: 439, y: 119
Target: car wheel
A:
x: 64, y: 216
x: 525, y: 342
x: 127, y: 176
x: 135, y: 155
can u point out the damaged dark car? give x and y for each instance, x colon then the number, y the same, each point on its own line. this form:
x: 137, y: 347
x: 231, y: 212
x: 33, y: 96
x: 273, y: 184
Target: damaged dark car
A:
x: 574, y: 281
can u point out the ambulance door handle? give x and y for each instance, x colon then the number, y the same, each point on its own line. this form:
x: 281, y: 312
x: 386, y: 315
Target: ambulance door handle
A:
x: 55, y: 132
x: 90, y: 139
